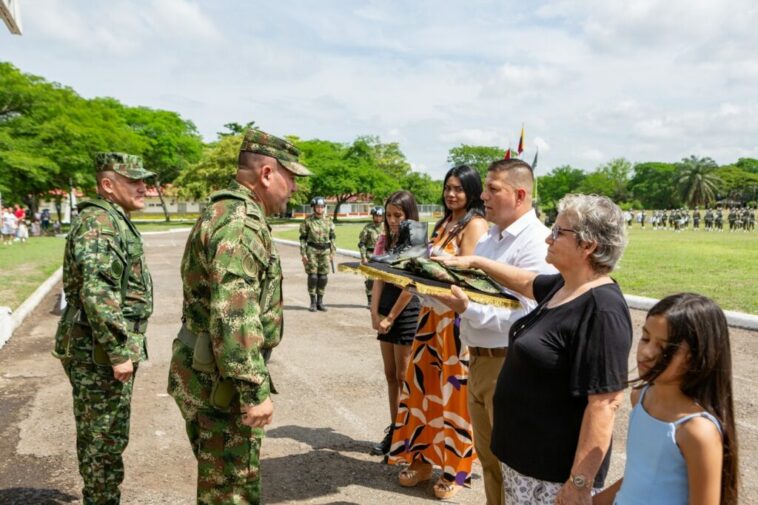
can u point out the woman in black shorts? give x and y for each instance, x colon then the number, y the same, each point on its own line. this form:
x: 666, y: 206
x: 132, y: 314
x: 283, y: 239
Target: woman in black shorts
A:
x: 394, y: 312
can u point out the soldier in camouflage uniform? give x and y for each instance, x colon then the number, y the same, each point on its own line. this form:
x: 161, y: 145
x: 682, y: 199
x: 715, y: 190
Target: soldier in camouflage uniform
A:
x: 317, y: 250
x: 232, y: 319
x: 366, y: 241
x: 101, y: 334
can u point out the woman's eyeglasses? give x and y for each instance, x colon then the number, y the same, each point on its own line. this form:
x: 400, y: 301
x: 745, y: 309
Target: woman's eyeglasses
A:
x: 556, y: 231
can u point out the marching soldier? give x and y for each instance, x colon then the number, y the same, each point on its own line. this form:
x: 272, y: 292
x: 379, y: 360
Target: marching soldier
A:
x: 231, y: 320
x: 366, y: 241
x: 696, y: 219
x: 101, y: 335
x: 317, y: 251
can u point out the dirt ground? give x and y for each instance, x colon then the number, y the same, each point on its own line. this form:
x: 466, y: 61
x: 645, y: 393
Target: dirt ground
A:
x: 330, y: 410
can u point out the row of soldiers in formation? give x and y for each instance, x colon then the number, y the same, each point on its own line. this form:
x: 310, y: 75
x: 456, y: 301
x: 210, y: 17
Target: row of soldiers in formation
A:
x: 738, y: 219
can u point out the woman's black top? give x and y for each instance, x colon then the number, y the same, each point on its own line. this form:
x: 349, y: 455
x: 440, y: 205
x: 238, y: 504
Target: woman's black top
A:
x: 556, y: 357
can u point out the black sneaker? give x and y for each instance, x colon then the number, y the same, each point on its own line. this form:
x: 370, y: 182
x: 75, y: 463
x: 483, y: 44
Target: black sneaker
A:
x: 383, y: 447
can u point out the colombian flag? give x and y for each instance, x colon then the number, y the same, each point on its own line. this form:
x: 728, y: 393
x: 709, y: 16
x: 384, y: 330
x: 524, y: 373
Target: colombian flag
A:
x: 521, y: 142
x: 507, y: 153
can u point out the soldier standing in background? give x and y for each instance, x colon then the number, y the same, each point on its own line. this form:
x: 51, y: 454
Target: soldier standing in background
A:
x: 317, y: 250
x: 101, y: 334
x: 696, y: 219
x: 366, y: 241
x: 708, y: 219
x: 232, y: 319
x: 719, y: 220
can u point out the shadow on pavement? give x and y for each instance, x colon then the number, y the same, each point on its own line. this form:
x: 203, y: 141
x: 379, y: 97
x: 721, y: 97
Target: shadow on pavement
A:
x: 26, y: 495
x: 325, y: 468
x: 328, y: 305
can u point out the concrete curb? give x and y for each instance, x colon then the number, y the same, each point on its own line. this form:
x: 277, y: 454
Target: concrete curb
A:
x: 10, y: 320
x: 736, y: 319
x: 170, y: 230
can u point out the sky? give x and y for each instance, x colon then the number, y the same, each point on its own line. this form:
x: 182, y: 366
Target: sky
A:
x: 593, y: 80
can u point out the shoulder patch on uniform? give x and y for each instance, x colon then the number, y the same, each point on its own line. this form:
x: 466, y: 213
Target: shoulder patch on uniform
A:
x: 117, y: 268
x: 248, y: 266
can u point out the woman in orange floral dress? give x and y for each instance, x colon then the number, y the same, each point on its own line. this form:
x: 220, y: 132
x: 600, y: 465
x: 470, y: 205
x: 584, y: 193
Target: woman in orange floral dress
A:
x: 433, y: 427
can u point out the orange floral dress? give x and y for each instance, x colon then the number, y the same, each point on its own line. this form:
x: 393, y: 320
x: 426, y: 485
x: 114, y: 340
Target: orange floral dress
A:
x: 433, y: 423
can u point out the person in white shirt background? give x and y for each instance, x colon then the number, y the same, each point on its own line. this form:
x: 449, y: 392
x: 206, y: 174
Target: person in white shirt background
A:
x: 517, y: 238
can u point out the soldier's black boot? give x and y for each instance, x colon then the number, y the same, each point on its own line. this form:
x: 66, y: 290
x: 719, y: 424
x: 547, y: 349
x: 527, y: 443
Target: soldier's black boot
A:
x: 320, y: 298
x: 312, y: 283
x: 320, y: 303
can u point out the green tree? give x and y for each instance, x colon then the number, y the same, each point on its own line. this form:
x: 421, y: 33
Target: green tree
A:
x: 217, y: 166
x: 236, y: 129
x: 618, y: 171
x: 653, y: 185
x: 698, y: 184
x: 557, y: 183
x: 597, y: 183
x: 477, y: 157
x: 171, y: 144
x: 737, y: 184
x: 49, y: 134
x: 424, y: 188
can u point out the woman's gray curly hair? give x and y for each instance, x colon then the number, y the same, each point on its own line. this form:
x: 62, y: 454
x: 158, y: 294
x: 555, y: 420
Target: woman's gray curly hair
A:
x: 597, y: 219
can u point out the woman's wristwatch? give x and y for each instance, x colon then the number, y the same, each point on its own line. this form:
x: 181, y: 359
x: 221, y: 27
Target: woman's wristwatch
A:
x: 580, y: 481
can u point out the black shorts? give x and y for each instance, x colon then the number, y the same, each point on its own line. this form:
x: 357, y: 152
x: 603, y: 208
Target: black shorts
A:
x: 404, y: 330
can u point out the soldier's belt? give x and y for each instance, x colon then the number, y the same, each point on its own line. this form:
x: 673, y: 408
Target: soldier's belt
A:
x: 322, y: 247
x: 133, y: 325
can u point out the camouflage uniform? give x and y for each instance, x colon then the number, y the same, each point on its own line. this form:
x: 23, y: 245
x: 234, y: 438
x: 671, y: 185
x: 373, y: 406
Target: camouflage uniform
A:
x: 317, y: 246
x: 366, y: 242
x: 110, y: 297
x: 232, y: 319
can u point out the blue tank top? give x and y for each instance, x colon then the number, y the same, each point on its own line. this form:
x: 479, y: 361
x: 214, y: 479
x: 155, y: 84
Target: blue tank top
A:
x: 655, y: 473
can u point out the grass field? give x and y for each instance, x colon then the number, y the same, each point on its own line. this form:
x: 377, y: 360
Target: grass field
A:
x: 25, y: 266
x: 723, y: 266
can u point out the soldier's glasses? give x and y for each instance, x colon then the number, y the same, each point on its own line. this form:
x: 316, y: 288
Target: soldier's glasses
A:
x: 556, y: 231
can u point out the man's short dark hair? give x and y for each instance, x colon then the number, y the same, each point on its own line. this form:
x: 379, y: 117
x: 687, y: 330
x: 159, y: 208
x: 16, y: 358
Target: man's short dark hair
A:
x: 519, y: 171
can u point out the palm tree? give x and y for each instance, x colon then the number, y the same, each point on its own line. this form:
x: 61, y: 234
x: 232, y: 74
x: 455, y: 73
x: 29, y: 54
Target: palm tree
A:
x: 697, y: 182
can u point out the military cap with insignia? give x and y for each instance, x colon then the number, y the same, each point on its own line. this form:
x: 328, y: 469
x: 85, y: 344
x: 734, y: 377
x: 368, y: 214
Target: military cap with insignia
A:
x: 260, y: 142
x: 124, y: 164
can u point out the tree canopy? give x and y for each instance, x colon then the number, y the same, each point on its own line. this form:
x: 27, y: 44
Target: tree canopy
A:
x: 49, y: 135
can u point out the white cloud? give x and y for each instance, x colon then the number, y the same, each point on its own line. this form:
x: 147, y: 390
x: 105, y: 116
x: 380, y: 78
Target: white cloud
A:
x: 473, y: 136
x: 647, y: 80
x: 541, y: 144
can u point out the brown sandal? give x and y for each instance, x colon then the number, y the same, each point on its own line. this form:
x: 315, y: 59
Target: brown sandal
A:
x: 414, y: 474
x: 444, y: 489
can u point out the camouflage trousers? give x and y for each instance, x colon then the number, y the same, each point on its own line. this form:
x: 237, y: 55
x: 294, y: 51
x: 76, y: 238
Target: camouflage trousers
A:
x: 101, y: 409
x: 228, y: 459
x: 369, y: 287
x: 318, y: 261
x: 227, y: 451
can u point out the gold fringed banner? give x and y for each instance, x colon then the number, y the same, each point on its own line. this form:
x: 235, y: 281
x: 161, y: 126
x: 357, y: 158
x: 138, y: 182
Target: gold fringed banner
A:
x: 425, y: 289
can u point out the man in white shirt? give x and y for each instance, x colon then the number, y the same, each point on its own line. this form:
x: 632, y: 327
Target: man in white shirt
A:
x: 517, y: 238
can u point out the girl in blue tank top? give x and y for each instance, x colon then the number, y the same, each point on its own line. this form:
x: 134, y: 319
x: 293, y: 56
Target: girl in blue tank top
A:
x: 681, y: 446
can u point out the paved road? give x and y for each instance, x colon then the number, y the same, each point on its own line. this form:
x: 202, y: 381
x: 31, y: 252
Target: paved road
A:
x: 330, y: 410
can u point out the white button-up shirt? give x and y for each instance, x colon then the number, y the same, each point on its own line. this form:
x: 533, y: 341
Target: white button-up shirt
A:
x: 522, y: 245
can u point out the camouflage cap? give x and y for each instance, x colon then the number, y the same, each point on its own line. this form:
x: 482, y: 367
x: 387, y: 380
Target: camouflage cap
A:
x: 257, y: 141
x: 124, y: 164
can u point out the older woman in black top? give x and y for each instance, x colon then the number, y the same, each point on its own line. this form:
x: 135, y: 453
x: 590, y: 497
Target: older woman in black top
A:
x: 563, y: 380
